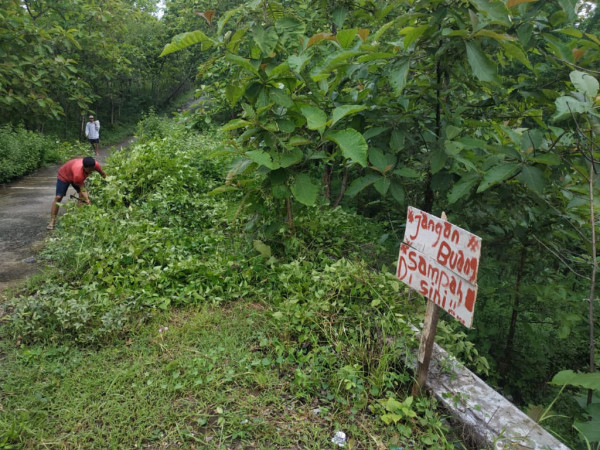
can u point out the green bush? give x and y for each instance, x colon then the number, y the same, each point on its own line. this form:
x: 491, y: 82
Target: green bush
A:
x: 153, y: 127
x: 23, y: 151
x: 156, y: 236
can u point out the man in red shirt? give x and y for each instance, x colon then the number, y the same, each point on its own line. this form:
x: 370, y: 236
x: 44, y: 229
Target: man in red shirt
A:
x: 73, y: 173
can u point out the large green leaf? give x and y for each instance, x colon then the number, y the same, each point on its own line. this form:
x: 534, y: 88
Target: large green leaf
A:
x: 569, y: 8
x: 291, y: 157
x: 397, y: 191
x: 375, y: 131
x: 339, y: 15
x: 397, y: 139
x: 382, y: 185
x: 566, y: 106
x: 515, y: 52
x: 342, y: 111
x: 495, y: 11
x: 378, y: 159
x: 242, y: 62
x: 281, y: 97
x: 297, y: 62
x: 298, y: 140
x: 345, y: 37
x: 290, y: 29
x: 550, y: 159
x: 286, y: 125
x: 384, y: 28
x: 184, y: 40
x: 361, y: 183
x: 438, y: 160
x: 235, y: 124
x: 582, y: 380
x: 352, y: 144
x: 234, y: 92
x: 266, y: 39
x: 375, y: 56
x: 262, y: 158
x: 483, y: 68
x: 332, y: 62
x: 407, y: 172
x: 453, y: 148
x: 462, y: 187
x: 315, y: 117
x: 585, y: 83
x: 236, y: 40
x: 590, y: 429
x: 411, y: 34
x: 496, y: 175
x: 225, y: 18
x: 304, y: 190
x: 398, y: 75
x: 558, y: 47
x: 533, y: 177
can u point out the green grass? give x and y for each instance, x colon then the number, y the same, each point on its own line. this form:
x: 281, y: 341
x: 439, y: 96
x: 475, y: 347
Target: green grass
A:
x: 208, y: 381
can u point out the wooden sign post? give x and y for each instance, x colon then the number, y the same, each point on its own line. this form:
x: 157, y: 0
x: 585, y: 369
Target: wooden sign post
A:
x: 432, y: 314
x: 440, y: 261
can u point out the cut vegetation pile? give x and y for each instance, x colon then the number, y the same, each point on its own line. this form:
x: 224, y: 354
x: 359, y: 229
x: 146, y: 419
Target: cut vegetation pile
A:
x: 178, y: 313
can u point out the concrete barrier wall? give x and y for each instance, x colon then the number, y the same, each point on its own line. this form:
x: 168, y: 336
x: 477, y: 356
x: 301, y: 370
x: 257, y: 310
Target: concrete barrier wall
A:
x: 489, y: 418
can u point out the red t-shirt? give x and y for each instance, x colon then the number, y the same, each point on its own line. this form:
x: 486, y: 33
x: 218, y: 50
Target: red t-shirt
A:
x: 72, y: 172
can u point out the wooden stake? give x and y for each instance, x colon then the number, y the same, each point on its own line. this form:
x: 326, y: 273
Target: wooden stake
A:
x: 432, y: 315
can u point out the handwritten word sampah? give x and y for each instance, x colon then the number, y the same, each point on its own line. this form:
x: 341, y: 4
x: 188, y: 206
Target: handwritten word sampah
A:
x: 440, y: 285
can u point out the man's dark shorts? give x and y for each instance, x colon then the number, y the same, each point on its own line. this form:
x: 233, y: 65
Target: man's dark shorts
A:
x: 62, y: 186
x: 94, y: 141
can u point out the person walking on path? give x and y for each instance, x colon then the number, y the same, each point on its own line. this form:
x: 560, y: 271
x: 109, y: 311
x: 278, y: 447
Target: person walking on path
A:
x: 74, y: 173
x: 92, y: 132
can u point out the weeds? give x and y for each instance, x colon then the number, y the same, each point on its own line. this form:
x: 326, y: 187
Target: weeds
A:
x: 163, y: 324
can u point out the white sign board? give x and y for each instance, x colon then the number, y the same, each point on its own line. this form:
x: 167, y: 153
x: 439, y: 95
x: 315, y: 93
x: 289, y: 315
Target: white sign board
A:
x: 440, y: 261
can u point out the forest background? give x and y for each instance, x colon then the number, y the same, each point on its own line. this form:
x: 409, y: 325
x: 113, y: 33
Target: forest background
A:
x: 486, y: 110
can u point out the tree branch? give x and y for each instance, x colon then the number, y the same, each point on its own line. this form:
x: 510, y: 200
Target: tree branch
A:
x: 560, y: 258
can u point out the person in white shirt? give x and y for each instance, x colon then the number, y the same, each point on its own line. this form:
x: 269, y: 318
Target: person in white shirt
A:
x: 92, y: 132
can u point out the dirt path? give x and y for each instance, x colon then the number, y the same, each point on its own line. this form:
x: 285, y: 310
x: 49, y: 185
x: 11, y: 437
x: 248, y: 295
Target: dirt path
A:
x: 24, y: 214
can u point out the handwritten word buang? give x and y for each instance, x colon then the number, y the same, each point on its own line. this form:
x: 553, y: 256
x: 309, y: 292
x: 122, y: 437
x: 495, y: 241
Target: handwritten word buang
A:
x: 440, y: 261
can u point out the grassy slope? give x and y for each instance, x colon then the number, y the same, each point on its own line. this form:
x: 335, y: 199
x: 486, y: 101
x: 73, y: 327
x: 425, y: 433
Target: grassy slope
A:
x: 205, y: 381
x: 260, y: 352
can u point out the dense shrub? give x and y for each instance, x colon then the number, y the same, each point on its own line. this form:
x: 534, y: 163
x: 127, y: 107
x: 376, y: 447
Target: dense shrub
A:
x: 156, y: 236
x: 23, y: 151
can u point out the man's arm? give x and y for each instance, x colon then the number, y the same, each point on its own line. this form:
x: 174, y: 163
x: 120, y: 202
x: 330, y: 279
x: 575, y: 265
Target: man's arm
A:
x: 83, y: 195
x: 99, y: 170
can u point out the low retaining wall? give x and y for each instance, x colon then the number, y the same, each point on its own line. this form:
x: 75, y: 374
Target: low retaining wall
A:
x: 490, y: 419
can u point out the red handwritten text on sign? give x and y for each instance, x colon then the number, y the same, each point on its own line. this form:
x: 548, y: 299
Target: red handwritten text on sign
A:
x: 440, y: 260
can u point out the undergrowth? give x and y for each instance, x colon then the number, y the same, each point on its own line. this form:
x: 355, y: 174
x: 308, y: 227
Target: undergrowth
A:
x: 23, y: 151
x: 168, y: 324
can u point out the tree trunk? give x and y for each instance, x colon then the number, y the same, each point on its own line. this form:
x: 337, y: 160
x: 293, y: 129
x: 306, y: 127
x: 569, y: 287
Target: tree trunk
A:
x: 327, y: 180
x: 593, y: 282
x: 515, y: 312
x: 290, y: 217
x: 429, y: 196
x: 342, y: 189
